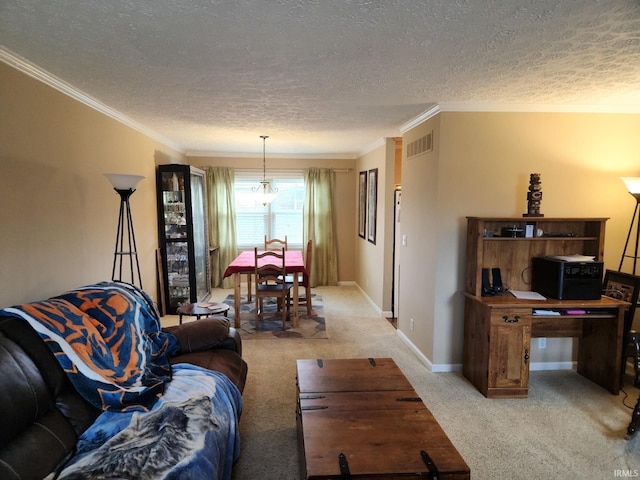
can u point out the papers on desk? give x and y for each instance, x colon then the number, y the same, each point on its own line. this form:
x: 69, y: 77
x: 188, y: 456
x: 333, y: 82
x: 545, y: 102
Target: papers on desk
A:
x: 574, y: 258
x: 540, y: 311
x: 524, y: 295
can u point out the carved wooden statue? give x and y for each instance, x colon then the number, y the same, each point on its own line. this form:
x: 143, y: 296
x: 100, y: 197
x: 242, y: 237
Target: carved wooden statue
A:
x: 534, y: 196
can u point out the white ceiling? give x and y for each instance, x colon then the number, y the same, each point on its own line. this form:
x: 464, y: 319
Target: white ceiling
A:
x: 329, y: 77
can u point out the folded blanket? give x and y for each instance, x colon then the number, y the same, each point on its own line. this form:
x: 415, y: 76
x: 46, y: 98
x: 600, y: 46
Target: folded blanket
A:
x: 108, y: 339
x: 191, y: 433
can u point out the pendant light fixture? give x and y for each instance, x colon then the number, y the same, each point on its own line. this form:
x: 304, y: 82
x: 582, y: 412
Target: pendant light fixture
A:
x: 266, y: 192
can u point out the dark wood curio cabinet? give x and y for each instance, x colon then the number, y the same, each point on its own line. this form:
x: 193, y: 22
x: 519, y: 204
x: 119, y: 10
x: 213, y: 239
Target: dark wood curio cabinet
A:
x: 183, y: 236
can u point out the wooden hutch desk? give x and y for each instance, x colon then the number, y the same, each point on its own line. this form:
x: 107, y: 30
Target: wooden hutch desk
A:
x: 498, y: 329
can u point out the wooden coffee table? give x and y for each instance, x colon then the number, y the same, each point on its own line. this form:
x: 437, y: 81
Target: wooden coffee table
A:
x: 362, y: 419
x: 201, y: 309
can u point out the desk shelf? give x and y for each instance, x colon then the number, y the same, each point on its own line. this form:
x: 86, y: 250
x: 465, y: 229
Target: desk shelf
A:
x: 512, y: 255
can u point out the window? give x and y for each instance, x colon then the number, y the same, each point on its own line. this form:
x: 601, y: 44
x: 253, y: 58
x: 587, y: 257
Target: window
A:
x: 283, y: 216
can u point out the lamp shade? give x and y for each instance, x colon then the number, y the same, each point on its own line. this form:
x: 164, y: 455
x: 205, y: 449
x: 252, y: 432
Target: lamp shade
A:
x: 122, y: 181
x: 632, y: 183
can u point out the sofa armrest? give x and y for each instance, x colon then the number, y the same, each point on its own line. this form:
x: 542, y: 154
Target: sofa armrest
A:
x: 206, y: 333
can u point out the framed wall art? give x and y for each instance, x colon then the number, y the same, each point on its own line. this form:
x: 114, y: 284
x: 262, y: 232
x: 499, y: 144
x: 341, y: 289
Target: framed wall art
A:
x: 621, y: 286
x: 362, y: 204
x: 372, y: 204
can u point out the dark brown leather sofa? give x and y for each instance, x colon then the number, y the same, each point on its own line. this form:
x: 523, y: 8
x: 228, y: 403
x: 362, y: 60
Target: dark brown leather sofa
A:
x: 41, y: 413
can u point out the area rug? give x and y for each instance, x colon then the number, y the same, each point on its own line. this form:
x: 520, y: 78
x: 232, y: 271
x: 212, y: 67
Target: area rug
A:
x: 309, y: 326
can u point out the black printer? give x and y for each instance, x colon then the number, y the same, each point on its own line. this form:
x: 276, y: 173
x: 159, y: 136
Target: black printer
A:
x: 564, y: 279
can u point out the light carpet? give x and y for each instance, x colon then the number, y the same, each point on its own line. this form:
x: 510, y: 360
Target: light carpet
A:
x: 567, y: 428
x: 309, y: 326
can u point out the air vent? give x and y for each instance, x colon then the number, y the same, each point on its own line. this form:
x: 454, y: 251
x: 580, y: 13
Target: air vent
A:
x: 421, y: 145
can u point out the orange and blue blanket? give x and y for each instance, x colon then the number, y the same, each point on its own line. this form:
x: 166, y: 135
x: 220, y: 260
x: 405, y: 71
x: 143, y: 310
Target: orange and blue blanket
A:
x: 108, y: 339
x: 159, y: 422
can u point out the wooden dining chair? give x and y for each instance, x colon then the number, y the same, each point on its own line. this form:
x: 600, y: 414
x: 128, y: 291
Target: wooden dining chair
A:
x: 303, y: 278
x: 275, y: 243
x: 269, y: 277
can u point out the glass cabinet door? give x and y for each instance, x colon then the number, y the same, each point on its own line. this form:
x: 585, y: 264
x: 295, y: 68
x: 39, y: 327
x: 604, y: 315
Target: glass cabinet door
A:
x: 200, y: 241
x: 183, y: 234
x: 175, y: 233
x: 178, y: 273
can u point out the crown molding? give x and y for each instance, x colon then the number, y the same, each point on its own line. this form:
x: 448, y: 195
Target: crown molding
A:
x: 372, y: 146
x: 52, y: 81
x: 423, y: 117
x: 542, y: 108
x: 515, y: 108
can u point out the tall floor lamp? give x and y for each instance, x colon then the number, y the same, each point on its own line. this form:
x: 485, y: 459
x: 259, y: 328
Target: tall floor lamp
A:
x: 630, y: 346
x: 125, y: 185
x: 633, y: 185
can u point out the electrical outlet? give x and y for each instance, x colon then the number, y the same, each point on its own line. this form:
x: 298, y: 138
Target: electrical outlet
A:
x: 542, y: 343
x: 404, y: 240
x: 411, y: 324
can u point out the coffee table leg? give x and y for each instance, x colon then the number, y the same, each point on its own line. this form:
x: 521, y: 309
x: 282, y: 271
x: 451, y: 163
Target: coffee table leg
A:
x: 236, y: 299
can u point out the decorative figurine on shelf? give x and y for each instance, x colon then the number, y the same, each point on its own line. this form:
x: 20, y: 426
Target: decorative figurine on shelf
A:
x: 534, y: 196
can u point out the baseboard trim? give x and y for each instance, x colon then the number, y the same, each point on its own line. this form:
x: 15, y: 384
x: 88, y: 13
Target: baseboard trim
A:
x: 457, y: 367
x: 415, y: 350
x: 451, y: 367
x: 371, y: 302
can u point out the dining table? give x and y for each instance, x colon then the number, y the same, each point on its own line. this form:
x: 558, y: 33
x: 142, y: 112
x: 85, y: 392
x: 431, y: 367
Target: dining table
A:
x: 245, y: 263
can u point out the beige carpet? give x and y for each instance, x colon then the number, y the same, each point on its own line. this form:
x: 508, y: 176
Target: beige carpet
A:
x: 567, y: 428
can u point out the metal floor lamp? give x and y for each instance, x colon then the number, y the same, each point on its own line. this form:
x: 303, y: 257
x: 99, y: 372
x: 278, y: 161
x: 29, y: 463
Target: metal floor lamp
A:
x: 125, y: 185
x: 631, y: 340
x: 633, y: 185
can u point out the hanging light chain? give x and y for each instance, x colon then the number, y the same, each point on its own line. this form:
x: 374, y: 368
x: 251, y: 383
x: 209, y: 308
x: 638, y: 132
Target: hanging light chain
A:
x: 265, y: 189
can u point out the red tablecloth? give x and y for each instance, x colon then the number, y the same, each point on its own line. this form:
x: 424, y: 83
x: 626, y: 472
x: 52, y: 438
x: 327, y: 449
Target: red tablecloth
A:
x: 245, y: 262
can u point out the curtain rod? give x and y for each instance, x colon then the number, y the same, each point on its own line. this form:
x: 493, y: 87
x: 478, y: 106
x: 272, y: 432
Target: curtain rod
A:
x: 281, y: 169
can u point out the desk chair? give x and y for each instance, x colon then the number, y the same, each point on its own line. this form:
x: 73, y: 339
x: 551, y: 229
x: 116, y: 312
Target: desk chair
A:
x: 303, y: 278
x: 275, y: 243
x: 270, y: 282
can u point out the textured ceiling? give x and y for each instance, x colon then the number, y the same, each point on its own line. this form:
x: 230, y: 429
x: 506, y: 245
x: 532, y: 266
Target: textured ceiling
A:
x: 327, y: 76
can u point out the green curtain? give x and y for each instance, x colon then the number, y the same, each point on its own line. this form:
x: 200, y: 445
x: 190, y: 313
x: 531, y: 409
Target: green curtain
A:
x: 222, y: 222
x: 319, y: 225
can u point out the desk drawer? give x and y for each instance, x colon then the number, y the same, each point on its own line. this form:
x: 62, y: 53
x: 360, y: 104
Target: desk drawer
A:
x: 511, y: 316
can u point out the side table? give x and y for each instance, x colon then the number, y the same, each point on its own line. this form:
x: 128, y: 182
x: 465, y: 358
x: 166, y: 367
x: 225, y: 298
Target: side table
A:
x: 201, y: 309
